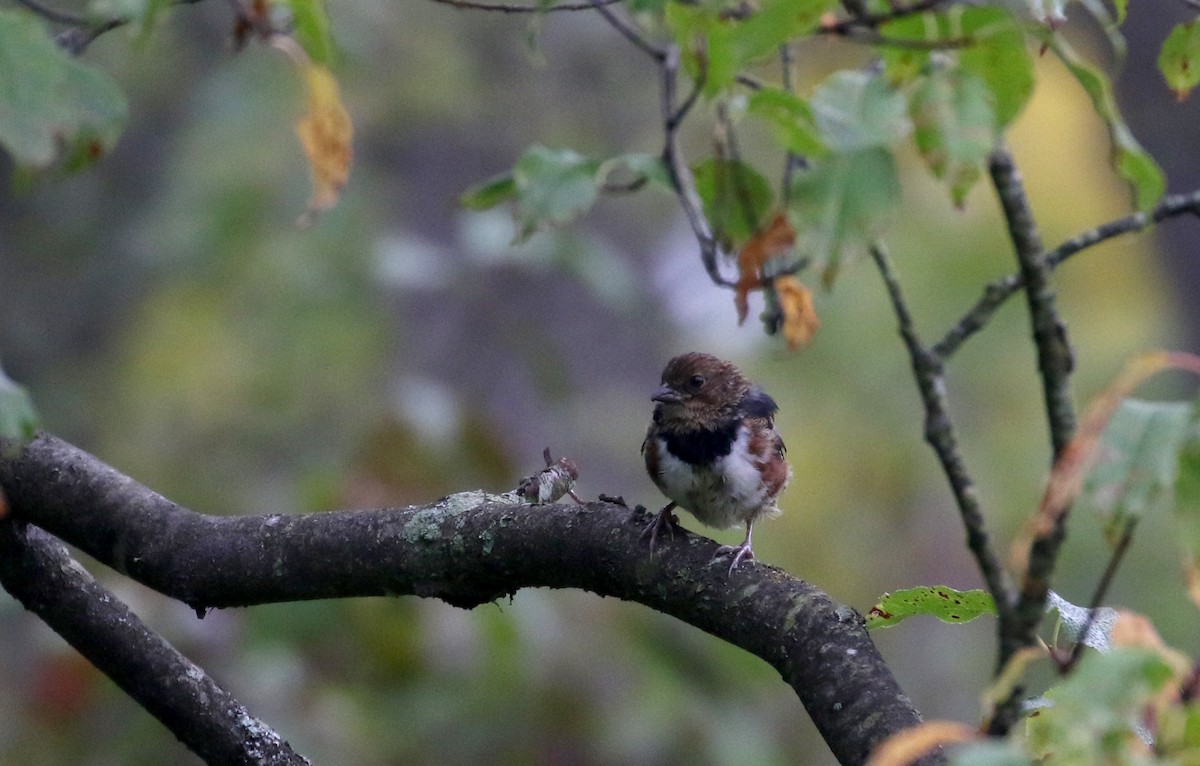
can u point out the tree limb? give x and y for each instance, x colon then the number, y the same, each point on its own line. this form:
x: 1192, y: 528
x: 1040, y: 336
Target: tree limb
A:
x: 36, y: 569
x: 467, y: 549
x: 1055, y: 363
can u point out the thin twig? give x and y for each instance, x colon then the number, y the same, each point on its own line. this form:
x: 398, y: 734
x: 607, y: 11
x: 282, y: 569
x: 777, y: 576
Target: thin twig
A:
x: 1055, y: 358
x: 681, y: 175
x: 940, y: 434
x: 996, y: 293
x: 627, y: 29
x: 55, y: 15
x: 872, y: 20
x: 1102, y: 587
x: 792, y: 161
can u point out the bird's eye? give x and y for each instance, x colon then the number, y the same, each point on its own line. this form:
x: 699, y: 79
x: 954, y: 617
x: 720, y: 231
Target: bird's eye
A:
x: 696, y: 381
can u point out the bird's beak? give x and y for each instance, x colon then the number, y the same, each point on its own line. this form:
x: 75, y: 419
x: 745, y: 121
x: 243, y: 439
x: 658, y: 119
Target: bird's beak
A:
x: 666, y: 394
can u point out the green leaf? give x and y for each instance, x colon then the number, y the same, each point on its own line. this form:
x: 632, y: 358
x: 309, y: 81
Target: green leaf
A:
x: 842, y: 202
x: 791, y: 118
x: 1130, y: 160
x: 1137, y: 462
x: 858, y: 110
x: 735, y: 196
x: 955, y: 126
x: 946, y: 604
x: 554, y: 187
x: 487, y: 194
x: 1179, y: 59
x: 721, y: 42
x: 51, y: 105
x: 995, y: 51
x: 640, y: 165
x: 18, y: 418
x: 1187, y: 506
x: 311, y: 25
x: 1093, y: 715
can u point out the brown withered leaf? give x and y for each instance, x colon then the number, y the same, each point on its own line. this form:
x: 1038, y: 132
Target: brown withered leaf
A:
x: 773, y: 241
x: 800, y: 321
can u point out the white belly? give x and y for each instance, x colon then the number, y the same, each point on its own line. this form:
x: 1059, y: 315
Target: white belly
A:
x: 727, y: 495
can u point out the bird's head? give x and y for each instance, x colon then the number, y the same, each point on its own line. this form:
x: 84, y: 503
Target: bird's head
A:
x: 698, y: 391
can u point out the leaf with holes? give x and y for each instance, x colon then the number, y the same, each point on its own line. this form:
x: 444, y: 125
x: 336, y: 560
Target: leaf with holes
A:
x: 946, y: 604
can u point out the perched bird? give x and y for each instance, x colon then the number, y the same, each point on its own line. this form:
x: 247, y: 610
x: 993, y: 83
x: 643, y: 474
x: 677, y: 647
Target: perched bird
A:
x: 712, y: 449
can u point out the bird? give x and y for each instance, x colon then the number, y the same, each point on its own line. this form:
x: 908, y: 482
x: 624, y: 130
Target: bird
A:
x: 713, y: 450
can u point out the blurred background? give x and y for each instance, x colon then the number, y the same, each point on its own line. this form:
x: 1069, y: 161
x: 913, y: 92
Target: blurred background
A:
x: 167, y: 316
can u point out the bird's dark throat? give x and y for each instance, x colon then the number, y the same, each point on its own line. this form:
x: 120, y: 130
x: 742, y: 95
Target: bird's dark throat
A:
x: 702, y: 446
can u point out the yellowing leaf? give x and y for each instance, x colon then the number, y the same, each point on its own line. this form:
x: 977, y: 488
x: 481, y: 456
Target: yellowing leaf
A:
x: 800, y: 321
x: 325, y: 131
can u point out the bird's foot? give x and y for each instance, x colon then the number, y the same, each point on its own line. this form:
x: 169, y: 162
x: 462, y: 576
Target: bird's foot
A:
x: 663, y: 521
x: 739, y: 552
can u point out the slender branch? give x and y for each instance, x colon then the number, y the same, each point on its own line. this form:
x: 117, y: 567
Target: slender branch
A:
x: 681, y: 175
x: 54, y: 15
x: 469, y: 549
x: 996, y: 293
x: 36, y: 569
x: 792, y: 161
x: 1110, y: 571
x: 628, y: 30
x: 1055, y: 358
x: 940, y: 434
x: 1055, y: 363
x: 847, y: 26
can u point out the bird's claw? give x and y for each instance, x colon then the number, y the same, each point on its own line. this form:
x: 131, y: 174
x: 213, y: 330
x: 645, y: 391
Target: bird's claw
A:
x: 739, y: 552
x: 664, y: 520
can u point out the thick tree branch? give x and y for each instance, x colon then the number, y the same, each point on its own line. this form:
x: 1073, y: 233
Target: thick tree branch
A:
x: 36, y: 569
x: 468, y: 549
